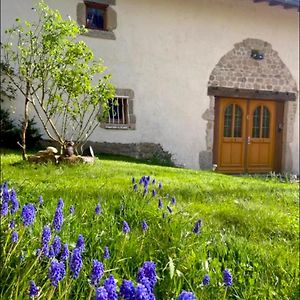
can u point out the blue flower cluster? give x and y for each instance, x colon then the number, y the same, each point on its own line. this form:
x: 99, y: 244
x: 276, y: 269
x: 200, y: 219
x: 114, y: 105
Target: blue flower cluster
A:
x: 97, y: 272
x: 60, y: 256
x: 28, y: 214
x: 227, y: 278
x: 8, y: 200
x: 57, y: 272
x: 58, y: 216
x: 76, y: 263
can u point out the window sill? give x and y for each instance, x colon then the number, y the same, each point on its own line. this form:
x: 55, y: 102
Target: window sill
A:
x: 101, y: 34
x: 118, y: 126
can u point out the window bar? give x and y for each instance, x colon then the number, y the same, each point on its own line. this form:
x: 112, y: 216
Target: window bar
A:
x: 118, y: 111
x: 127, y: 112
x: 113, y: 112
x: 123, y: 114
x: 109, y: 121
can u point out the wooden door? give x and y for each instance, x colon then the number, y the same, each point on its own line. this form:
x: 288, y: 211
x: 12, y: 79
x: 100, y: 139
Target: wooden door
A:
x: 260, y: 136
x: 245, y: 136
x: 232, y: 133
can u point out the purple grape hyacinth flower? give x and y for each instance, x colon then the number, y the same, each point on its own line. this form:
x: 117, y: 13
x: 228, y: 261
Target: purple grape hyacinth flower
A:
x: 145, y: 191
x: 56, y: 245
x: 45, y: 250
x: 153, y: 181
x: 127, y: 290
x: 153, y: 193
x: 197, y: 227
x: 106, y: 254
x: 98, y: 209
x: 14, y: 237
x: 141, y: 292
x: 28, y: 214
x: 65, y: 252
x: 76, y: 263
x: 57, y: 272
x: 60, y: 203
x: 126, y: 228
x: 186, y: 296
x: 135, y: 187
x: 148, y: 270
x: 160, y: 185
x: 132, y: 180
x: 4, y: 209
x: 111, y: 287
x: 12, y: 224
x: 101, y: 294
x: 173, y: 200
x: 71, y: 209
x: 14, y: 201
x: 206, y: 280
x: 169, y: 209
x: 58, y: 219
x: 46, y: 235
x: 97, y: 272
x: 41, y: 200
x: 227, y: 278
x: 144, y: 226
x: 4, y: 193
x: 160, y: 203
x: 80, y: 243
x: 33, y: 289
x: 51, y: 252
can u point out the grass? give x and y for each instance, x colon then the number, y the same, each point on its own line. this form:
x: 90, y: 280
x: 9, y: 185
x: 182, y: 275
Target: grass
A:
x: 250, y: 226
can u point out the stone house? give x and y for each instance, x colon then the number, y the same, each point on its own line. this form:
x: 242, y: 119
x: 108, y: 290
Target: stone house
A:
x: 208, y: 82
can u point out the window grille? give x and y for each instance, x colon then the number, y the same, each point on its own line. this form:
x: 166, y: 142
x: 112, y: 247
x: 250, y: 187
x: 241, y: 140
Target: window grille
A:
x: 118, y: 114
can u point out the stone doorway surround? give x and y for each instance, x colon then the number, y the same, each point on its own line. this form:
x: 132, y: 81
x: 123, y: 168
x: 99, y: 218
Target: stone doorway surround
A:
x: 237, y: 74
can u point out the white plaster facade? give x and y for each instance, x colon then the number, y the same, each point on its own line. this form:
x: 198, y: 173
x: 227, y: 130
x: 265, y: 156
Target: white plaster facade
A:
x: 165, y: 51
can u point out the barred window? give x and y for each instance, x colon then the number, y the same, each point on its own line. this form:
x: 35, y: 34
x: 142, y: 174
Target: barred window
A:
x: 120, y: 111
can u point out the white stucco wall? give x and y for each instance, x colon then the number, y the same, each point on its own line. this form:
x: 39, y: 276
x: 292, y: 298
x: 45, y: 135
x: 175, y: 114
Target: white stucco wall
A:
x: 165, y: 50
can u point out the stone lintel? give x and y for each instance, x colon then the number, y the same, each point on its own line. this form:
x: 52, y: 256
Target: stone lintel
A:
x: 250, y: 94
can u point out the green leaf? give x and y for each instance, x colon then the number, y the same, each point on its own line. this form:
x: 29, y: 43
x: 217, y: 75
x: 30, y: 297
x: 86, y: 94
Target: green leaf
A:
x: 171, y: 267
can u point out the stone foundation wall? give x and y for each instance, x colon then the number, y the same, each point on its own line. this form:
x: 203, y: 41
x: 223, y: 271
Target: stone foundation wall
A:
x: 144, y: 151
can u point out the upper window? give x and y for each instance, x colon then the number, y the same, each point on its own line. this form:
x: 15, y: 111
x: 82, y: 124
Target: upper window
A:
x: 99, y: 17
x: 95, y: 16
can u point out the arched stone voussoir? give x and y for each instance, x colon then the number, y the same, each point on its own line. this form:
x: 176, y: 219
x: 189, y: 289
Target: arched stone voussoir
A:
x: 238, y: 70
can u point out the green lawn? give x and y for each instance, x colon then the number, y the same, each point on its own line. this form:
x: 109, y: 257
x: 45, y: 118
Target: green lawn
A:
x: 249, y: 226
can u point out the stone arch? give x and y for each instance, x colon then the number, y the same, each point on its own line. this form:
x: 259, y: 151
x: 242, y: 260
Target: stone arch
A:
x: 237, y: 74
x: 238, y: 70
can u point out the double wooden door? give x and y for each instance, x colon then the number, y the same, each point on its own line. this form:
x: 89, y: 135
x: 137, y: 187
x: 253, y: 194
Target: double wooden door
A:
x: 246, y: 136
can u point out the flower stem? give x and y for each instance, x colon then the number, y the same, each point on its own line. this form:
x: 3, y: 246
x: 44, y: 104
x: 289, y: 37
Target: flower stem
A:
x: 225, y: 294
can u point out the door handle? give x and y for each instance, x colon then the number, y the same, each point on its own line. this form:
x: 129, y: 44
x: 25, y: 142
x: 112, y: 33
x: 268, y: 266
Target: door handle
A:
x: 248, y: 140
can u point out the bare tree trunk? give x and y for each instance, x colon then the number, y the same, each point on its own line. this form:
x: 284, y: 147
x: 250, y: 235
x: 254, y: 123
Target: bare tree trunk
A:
x: 25, y: 122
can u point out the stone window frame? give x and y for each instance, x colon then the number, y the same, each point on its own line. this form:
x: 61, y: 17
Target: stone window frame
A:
x: 111, y: 18
x: 131, y: 125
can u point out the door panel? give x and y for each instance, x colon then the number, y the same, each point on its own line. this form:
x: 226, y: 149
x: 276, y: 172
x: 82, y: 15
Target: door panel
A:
x: 261, y: 136
x: 232, y: 134
x: 245, y: 135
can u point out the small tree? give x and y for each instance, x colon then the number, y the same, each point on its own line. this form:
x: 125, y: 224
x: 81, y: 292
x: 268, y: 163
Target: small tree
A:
x: 55, y: 74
